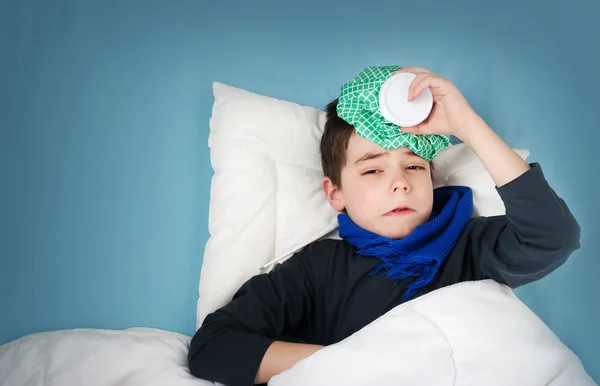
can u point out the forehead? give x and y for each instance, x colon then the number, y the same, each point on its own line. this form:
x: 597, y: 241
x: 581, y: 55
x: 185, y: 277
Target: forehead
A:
x: 359, y: 146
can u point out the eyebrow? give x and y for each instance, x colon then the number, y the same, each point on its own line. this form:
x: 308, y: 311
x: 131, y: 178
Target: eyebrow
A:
x: 370, y: 155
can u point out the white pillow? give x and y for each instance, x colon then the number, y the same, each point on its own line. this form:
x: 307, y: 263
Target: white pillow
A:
x: 459, y: 165
x: 95, y: 357
x: 266, y: 196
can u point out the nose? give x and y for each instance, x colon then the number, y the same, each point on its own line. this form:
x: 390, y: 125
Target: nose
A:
x: 400, y: 183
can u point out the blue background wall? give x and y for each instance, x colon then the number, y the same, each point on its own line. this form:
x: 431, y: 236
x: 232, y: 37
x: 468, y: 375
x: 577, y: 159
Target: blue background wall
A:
x: 104, y: 127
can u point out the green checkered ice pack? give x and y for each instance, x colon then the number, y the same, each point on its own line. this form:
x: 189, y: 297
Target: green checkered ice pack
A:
x: 359, y: 106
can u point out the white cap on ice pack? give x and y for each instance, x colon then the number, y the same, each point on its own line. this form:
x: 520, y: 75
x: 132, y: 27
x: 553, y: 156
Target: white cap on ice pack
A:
x: 394, y: 104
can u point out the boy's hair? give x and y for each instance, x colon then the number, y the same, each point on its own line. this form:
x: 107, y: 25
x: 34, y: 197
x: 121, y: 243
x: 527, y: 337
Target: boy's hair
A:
x: 334, y: 143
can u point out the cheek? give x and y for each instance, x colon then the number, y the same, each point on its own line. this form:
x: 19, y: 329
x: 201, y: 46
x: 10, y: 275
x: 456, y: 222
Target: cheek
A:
x: 361, y: 195
x: 427, y: 196
x: 430, y: 201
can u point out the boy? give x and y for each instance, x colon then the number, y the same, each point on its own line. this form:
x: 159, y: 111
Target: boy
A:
x: 417, y: 240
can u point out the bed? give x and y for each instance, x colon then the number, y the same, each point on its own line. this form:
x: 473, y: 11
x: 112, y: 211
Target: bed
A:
x: 270, y: 147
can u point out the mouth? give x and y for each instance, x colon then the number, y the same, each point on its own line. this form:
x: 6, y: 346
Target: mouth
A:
x: 400, y: 211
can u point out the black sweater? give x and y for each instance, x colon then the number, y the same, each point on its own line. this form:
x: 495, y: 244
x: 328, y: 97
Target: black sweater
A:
x: 324, y: 293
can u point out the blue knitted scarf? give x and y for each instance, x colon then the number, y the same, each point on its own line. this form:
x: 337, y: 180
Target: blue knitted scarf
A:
x: 421, y: 253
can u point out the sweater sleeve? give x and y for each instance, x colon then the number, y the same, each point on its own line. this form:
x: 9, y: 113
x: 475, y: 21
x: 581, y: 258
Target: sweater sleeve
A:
x: 229, y: 346
x: 536, y: 236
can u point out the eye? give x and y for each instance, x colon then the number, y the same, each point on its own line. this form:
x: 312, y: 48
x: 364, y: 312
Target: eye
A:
x: 371, y: 171
x: 415, y: 167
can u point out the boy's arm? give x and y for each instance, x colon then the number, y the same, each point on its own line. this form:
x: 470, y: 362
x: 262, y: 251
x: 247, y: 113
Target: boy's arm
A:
x: 500, y: 160
x: 538, y: 232
x: 238, y: 344
x: 281, y: 356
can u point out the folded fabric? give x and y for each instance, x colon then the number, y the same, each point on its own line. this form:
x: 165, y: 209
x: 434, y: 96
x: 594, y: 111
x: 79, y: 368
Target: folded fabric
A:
x: 358, y: 105
x: 470, y: 334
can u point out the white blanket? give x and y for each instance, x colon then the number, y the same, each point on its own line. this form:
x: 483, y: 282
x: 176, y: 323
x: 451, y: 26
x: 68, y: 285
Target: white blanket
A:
x: 136, y: 357
x: 473, y: 333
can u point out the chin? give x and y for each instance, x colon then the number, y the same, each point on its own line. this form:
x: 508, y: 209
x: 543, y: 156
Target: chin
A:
x: 399, y: 234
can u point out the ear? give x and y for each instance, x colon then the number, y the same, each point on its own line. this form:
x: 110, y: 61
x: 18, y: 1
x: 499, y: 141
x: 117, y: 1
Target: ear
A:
x: 333, y: 194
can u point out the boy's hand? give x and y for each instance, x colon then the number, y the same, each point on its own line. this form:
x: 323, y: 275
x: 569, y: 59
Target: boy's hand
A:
x: 281, y: 356
x: 451, y: 112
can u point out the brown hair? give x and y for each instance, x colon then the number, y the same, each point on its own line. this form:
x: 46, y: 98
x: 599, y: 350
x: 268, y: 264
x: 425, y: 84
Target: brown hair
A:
x: 334, y: 143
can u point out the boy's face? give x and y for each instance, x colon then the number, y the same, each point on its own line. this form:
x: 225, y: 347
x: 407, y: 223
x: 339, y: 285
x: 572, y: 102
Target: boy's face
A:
x: 386, y: 192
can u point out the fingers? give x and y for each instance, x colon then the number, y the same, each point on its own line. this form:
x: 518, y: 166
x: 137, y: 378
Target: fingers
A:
x: 423, y: 81
x: 418, y: 85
